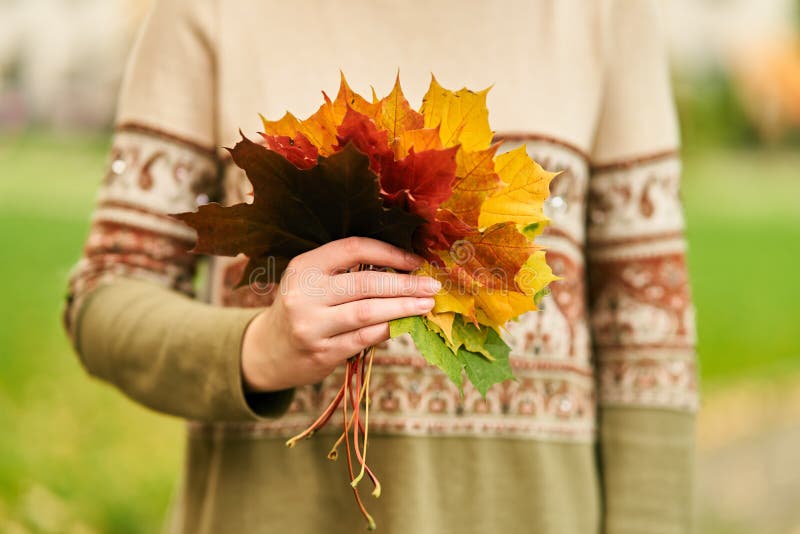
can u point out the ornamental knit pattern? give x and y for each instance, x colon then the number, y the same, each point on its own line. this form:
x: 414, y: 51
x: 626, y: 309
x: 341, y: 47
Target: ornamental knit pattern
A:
x: 639, y: 307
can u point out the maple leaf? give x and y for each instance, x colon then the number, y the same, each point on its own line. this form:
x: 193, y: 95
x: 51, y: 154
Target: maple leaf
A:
x: 420, y: 181
x: 475, y: 180
x: 461, y: 116
x: 365, y: 135
x: 450, y: 298
x: 482, y: 372
x: 299, y: 150
x: 521, y: 198
x: 431, y: 346
x: 496, y: 307
x: 295, y: 210
x: 535, y: 275
x: 457, y: 333
x: 439, y: 234
x: 347, y: 98
x: 286, y: 126
x: 396, y: 115
x: 491, y: 277
x: 442, y: 323
x: 493, y: 258
x: 454, y: 300
x: 471, y: 337
x: 422, y: 139
x: 321, y: 127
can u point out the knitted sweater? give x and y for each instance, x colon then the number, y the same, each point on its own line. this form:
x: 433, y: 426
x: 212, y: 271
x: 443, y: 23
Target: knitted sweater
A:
x: 596, y: 433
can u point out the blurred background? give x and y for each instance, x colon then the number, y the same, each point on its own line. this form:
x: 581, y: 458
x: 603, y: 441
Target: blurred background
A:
x: 77, y: 457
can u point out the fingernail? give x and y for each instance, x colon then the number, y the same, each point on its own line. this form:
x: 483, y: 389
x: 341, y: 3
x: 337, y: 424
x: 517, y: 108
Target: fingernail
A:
x: 433, y: 285
x: 413, y: 258
x: 425, y: 304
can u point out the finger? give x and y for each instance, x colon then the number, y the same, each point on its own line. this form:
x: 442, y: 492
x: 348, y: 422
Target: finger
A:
x: 343, y: 254
x: 347, y: 287
x: 353, y: 342
x: 365, y: 312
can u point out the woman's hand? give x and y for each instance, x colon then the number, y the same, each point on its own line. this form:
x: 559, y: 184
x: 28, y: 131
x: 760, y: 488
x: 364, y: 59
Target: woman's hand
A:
x: 322, y: 314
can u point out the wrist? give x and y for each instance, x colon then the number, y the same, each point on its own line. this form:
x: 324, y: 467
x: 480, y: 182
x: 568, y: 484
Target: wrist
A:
x: 256, y: 375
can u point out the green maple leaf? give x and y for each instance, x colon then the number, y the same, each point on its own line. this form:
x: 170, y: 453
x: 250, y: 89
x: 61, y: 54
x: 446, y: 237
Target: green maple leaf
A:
x: 472, y: 338
x: 295, y: 210
x: 431, y: 345
x: 482, y: 371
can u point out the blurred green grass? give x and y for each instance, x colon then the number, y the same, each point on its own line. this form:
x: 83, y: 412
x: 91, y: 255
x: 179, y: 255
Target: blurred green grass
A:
x: 81, y: 452
x: 743, y: 213
x: 70, y: 449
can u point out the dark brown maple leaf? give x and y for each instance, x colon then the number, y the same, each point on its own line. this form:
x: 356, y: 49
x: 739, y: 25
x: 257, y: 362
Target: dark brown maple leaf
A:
x: 295, y: 210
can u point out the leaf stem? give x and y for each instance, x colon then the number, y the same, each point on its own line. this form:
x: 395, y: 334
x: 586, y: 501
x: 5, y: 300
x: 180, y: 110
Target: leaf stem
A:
x: 321, y: 420
x: 360, y: 368
x: 370, y: 521
x: 365, y: 393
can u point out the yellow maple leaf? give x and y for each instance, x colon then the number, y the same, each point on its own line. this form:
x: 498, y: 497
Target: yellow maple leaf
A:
x: 462, y: 116
x: 321, y: 127
x: 347, y: 97
x: 286, y: 125
x: 535, y: 274
x: 395, y: 115
x: 451, y: 297
x: 521, y: 199
x: 454, y: 301
x: 496, y: 307
x: 444, y: 321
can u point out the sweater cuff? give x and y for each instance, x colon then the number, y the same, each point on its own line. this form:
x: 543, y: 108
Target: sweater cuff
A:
x: 171, y: 353
x: 647, y: 458
x: 251, y: 404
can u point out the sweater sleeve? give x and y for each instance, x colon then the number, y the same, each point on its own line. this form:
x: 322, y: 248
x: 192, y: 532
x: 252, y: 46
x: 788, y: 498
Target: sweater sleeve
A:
x: 641, y: 310
x: 127, y: 310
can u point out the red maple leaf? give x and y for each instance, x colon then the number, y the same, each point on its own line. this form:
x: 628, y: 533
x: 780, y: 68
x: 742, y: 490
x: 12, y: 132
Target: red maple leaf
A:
x: 362, y: 131
x: 297, y: 150
x: 421, y: 181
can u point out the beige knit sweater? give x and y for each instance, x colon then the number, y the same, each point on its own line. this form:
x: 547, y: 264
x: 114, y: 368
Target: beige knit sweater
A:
x: 596, y: 435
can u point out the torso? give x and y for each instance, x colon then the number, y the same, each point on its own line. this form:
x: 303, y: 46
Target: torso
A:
x: 548, y: 100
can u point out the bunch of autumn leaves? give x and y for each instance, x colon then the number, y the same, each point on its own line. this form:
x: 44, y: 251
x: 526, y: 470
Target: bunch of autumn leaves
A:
x: 430, y: 181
